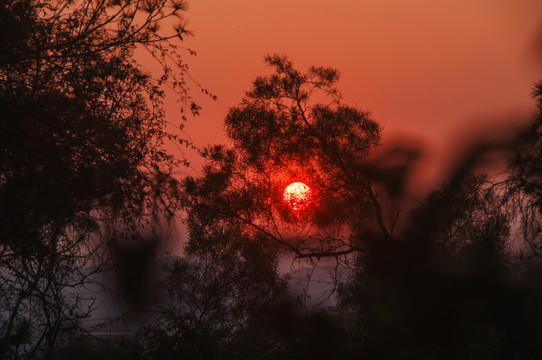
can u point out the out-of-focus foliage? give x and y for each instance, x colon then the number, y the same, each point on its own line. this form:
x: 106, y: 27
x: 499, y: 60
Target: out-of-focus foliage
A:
x: 456, y: 283
x: 447, y: 287
x: 82, y: 143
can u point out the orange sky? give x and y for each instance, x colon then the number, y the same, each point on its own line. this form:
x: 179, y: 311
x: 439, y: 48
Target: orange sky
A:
x: 424, y: 68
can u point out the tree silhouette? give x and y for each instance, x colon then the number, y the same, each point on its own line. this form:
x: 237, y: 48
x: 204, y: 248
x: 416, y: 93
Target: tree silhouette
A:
x: 208, y: 304
x: 453, y: 285
x: 291, y: 126
x: 522, y: 186
x: 83, y: 165
x: 444, y: 288
x: 82, y: 137
x: 447, y: 286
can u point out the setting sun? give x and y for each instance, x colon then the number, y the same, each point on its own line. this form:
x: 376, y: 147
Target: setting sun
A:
x: 297, y: 195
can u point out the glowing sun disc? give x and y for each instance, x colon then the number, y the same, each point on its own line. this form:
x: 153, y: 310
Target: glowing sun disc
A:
x: 297, y: 195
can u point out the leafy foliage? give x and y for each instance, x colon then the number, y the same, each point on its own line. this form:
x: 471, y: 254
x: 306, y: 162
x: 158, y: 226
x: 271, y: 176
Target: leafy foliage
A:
x: 82, y: 143
x: 447, y: 287
x: 208, y: 304
x: 522, y: 187
x: 291, y: 126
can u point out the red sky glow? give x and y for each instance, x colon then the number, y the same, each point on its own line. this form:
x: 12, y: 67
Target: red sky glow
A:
x: 428, y: 70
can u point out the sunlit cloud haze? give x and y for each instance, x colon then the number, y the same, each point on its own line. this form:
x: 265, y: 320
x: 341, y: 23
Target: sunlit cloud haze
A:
x: 429, y: 70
